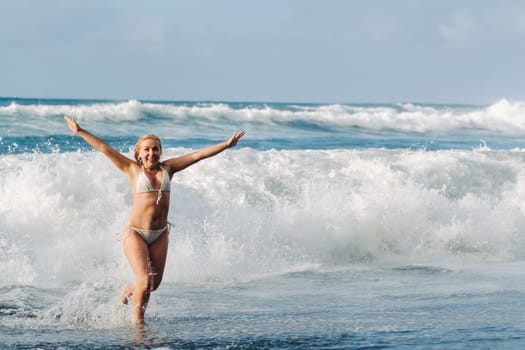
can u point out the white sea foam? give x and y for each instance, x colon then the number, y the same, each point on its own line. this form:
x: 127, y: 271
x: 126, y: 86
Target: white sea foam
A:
x: 503, y: 116
x: 130, y: 110
x: 249, y: 213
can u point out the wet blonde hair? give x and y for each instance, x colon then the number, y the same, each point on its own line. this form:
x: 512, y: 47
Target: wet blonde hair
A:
x: 139, y: 143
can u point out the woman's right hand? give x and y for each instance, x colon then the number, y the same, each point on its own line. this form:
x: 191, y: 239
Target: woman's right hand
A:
x: 72, y: 123
x: 235, y: 137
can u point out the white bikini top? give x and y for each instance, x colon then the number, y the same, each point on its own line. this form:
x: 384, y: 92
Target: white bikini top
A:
x: 144, y: 185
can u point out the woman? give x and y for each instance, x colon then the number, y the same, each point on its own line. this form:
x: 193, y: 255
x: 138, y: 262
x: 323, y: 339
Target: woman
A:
x: 146, y: 237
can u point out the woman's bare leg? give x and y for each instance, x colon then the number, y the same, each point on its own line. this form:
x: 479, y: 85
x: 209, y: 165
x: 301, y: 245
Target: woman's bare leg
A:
x: 138, y: 256
x: 158, y: 251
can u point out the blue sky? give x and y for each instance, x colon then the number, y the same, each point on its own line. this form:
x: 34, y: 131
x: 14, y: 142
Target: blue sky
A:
x: 441, y: 51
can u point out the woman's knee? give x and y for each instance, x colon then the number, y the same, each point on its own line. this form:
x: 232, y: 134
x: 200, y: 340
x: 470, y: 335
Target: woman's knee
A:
x: 143, y: 283
x: 156, y: 283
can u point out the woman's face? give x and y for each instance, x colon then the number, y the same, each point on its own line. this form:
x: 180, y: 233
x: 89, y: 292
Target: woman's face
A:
x: 150, y: 152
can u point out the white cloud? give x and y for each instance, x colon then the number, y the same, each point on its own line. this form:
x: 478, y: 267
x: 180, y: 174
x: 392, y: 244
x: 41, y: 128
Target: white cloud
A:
x: 147, y: 33
x: 519, y: 23
x: 461, y: 28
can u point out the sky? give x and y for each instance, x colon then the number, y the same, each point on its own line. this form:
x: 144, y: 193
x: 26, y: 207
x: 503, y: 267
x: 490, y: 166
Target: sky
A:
x: 346, y: 51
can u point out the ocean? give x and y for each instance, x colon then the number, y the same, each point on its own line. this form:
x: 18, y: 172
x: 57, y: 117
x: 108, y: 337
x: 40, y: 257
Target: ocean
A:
x: 329, y: 226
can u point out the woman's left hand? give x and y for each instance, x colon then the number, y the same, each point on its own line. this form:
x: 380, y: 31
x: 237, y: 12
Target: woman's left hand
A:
x: 72, y: 123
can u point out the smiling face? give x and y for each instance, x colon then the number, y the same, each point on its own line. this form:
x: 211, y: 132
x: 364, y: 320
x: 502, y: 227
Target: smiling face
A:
x: 148, y: 151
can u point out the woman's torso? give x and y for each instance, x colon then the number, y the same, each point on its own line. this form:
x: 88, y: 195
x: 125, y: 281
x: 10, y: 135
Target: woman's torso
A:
x: 150, y: 207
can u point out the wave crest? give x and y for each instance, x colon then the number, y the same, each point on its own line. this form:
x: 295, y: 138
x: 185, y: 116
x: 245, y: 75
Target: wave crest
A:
x: 277, y: 211
x: 503, y: 116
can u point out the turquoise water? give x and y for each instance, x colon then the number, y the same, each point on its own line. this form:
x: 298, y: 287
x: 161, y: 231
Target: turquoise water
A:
x: 28, y: 125
x: 394, y: 226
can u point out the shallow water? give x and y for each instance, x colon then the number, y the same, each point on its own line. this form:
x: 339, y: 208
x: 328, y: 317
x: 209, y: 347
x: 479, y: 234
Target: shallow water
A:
x: 458, y: 305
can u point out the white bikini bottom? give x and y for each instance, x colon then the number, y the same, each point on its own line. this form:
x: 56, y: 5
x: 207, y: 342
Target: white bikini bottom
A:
x: 149, y: 236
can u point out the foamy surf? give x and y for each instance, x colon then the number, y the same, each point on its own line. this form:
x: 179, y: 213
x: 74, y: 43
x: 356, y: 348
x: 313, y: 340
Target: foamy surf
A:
x: 338, y: 225
x: 503, y: 116
x: 253, y: 213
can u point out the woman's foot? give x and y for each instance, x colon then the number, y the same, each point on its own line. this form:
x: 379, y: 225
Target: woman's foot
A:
x: 127, y: 292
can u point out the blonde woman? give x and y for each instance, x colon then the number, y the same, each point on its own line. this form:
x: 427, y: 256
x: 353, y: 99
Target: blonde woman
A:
x: 145, y: 240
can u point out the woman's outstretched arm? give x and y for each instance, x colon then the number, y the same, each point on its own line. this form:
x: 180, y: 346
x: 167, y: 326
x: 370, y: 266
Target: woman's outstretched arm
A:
x: 182, y: 162
x: 122, y: 162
